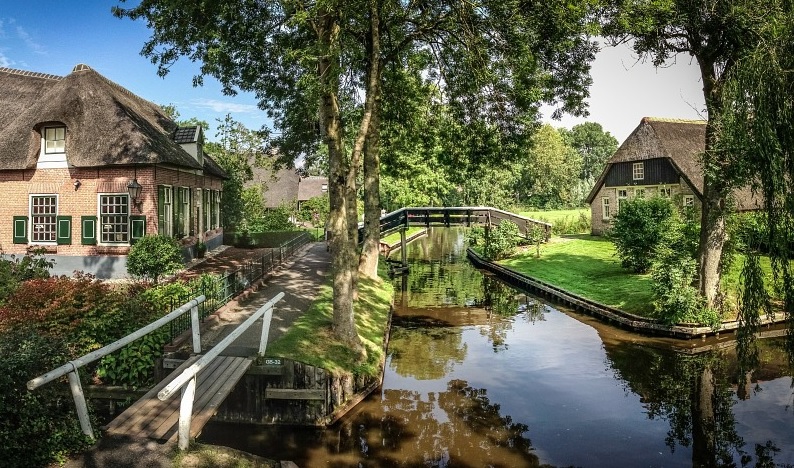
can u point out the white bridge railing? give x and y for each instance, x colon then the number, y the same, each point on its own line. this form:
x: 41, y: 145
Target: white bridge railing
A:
x: 70, y: 368
x: 187, y: 379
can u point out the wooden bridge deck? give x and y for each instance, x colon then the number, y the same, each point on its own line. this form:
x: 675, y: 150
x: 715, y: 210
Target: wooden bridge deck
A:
x: 154, y: 419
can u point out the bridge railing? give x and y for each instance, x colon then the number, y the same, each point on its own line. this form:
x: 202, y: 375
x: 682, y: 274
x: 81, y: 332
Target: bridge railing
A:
x: 455, y: 216
x: 70, y: 368
x: 187, y: 379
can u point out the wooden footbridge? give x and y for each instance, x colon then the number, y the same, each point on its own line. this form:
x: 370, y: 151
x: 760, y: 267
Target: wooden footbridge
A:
x: 205, y: 380
x: 457, y: 216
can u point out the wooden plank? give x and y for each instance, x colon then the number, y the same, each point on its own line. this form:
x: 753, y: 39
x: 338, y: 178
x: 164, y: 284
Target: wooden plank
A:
x: 134, y: 409
x: 294, y: 394
x: 203, y: 415
x: 208, y: 380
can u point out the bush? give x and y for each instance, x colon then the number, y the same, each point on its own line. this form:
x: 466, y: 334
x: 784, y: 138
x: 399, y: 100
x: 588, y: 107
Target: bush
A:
x: 639, y: 229
x: 37, y: 428
x: 14, y: 270
x: 315, y: 210
x: 154, y: 256
x: 497, y: 244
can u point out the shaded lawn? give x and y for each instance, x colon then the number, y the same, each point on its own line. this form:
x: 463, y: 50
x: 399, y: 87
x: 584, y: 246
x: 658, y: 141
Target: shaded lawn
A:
x: 310, y: 340
x: 587, y: 266
x: 394, y: 237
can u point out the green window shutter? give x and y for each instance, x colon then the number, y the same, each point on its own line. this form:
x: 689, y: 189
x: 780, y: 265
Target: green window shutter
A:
x: 160, y: 210
x: 63, y: 230
x: 88, y: 230
x: 20, y: 229
x: 137, y: 228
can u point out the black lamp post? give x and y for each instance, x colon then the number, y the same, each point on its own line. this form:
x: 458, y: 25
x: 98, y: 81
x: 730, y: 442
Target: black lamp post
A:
x: 134, y: 189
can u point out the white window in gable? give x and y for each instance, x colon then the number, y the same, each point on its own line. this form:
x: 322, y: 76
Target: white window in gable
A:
x: 43, y: 211
x: 638, y: 171
x: 54, y: 140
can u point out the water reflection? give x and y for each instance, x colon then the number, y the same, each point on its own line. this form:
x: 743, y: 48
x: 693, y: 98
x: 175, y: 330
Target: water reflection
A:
x: 479, y: 374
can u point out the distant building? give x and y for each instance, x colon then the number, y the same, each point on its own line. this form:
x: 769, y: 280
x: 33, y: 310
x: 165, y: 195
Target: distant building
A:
x: 87, y: 168
x: 287, y: 187
x: 661, y: 157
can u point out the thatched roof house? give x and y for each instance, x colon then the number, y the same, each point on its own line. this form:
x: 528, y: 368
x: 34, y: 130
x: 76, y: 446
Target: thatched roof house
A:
x: 287, y: 187
x: 660, y: 157
x: 87, y: 167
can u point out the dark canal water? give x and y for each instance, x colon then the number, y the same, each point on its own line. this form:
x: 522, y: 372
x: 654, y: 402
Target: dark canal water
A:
x: 479, y: 374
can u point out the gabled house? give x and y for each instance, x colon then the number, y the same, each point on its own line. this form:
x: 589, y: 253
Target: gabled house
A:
x: 661, y: 157
x: 87, y: 168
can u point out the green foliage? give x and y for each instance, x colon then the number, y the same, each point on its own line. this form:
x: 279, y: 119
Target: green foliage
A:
x: 315, y: 210
x: 497, y: 242
x: 14, y: 270
x: 37, y: 428
x: 154, y: 256
x: 275, y: 219
x: 676, y: 300
x: 595, y: 147
x: 638, y: 230
x: 133, y: 364
x: 570, y: 221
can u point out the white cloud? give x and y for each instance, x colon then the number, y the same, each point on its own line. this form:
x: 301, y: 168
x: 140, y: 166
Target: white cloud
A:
x: 28, y: 40
x: 224, y: 106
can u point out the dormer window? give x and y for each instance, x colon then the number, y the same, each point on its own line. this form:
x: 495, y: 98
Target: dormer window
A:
x: 54, y: 140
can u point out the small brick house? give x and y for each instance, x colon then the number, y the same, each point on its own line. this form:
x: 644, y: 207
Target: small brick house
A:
x: 661, y: 157
x: 87, y: 167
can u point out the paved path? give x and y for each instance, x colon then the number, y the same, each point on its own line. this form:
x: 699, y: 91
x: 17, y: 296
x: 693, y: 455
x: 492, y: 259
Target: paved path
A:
x: 299, y: 278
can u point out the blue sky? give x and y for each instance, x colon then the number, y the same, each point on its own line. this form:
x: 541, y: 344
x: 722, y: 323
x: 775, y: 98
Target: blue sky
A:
x: 53, y: 36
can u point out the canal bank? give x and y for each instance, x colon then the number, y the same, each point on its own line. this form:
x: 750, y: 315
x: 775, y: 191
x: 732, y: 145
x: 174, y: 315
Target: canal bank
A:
x: 479, y: 373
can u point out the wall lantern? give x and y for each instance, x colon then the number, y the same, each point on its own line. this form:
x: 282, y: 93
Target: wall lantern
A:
x: 134, y: 189
x: 77, y: 184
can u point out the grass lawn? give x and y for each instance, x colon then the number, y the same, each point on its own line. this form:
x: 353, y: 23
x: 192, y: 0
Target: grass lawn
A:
x: 557, y: 216
x: 587, y: 265
x: 394, y: 237
x: 309, y: 340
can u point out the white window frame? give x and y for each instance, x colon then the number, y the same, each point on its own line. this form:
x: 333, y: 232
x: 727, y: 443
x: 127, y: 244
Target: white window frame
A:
x: 605, y: 214
x: 59, y: 144
x: 639, y: 192
x: 688, y: 201
x: 665, y: 192
x: 185, y: 209
x: 216, y: 208
x: 622, y: 197
x: 638, y: 171
x: 33, y: 223
x: 102, y: 220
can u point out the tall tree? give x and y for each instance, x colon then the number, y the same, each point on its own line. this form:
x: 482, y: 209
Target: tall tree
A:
x: 549, y: 172
x: 716, y: 33
x: 594, y: 145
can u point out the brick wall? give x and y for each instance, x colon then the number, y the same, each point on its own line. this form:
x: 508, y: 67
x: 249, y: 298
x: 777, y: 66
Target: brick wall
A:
x: 81, y: 199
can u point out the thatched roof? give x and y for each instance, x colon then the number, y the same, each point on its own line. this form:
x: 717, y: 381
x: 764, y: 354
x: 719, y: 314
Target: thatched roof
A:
x: 280, y: 187
x: 106, y: 124
x: 312, y: 186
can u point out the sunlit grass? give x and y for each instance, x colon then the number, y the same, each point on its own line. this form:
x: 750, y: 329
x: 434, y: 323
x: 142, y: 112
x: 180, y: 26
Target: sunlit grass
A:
x: 311, y: 341
x: 556, y: 216
x: 587, y: 266
x: 394, y: 237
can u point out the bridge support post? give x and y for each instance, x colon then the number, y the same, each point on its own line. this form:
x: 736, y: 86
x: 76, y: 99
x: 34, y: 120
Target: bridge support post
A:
x: 185, y: 413
x: 79, y: 403
x: 403, y: 254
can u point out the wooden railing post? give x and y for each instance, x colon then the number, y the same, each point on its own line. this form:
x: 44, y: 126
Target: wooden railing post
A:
x: 266, y: 319
x: 185, y: 412
x: 196, y: 326
x: 79, y: 402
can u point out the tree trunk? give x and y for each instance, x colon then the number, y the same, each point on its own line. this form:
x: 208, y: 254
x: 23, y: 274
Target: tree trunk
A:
x: 368, y: 264
x: 704, y: 420
x: 343, y: 248
x: 714, y: 211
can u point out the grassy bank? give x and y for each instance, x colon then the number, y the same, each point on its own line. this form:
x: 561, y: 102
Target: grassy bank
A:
x: 394, y: 237
x: 310, y: 340
x: 587, y: 265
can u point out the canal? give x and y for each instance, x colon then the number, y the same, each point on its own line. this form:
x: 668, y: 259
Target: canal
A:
x: 479, y: 374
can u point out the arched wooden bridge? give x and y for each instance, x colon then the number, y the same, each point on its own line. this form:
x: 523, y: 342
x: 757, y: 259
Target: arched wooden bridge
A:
x: 455, y: 216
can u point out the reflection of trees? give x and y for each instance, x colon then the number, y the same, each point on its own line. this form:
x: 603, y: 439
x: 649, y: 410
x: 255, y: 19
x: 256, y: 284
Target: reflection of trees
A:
x: 426, y: 354
x: 413, y: 432
x: 693, y: 393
